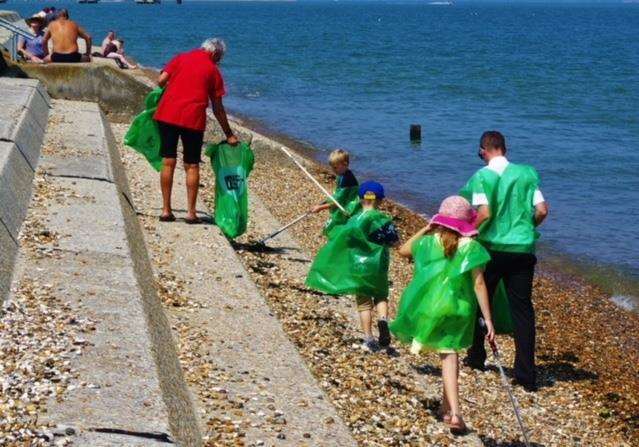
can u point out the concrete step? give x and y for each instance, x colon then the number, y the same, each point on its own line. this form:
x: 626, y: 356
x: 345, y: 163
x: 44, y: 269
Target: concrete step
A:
x: 24, y: 108
x: 126, y: 386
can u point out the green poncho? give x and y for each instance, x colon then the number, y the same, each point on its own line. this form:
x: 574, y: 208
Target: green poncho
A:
x: 511, y: 226
x: 346, y: 194
x: 437, y: 310
x: 143, y: 134
x: 232, y: 166
x: 350, y: 263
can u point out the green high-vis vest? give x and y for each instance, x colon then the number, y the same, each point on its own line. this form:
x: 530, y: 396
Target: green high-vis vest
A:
x: 511, y: 226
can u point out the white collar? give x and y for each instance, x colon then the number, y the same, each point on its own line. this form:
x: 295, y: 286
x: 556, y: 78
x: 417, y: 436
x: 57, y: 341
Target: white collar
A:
x: 498, y: 164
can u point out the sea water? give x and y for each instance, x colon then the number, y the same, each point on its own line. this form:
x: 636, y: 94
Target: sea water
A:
x: 561, y: 81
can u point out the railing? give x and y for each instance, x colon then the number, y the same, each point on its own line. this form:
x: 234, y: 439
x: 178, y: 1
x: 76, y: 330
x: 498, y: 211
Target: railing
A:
x: 15, y: 32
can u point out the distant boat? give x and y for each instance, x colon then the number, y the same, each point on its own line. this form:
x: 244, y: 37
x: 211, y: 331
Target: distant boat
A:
x: 147, y: 2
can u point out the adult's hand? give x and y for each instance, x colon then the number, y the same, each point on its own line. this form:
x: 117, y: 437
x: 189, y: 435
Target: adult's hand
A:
x: 232, y: 140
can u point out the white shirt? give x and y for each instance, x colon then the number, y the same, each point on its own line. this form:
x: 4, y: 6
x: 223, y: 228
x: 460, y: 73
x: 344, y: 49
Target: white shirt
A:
x: 498, y: 165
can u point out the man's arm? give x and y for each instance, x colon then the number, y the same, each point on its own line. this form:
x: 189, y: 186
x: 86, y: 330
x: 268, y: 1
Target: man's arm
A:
x: 22, y: 47
x: 45, y: 42
x: 483, y: 214
x: 163, y: 79
x: 87, y: 40
x: 220, y: 115
x: 541, y: 212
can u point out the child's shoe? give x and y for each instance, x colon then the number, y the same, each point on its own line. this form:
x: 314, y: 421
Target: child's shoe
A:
x: 456, y: 425
x: 384, y: 333
x: 370, y: 344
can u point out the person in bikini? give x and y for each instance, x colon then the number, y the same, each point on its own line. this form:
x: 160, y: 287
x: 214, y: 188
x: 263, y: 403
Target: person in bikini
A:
x: 64, y: 34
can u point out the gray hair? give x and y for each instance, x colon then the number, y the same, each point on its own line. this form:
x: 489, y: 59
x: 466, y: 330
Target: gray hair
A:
x: 214, y: 45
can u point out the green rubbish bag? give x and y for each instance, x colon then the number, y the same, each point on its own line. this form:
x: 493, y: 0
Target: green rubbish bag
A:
x: 438, y: 308
x: 349, y: 263
x: 348, y: 197
x: 500, y: 310
x: 143, y: 134
x: 232, y: 166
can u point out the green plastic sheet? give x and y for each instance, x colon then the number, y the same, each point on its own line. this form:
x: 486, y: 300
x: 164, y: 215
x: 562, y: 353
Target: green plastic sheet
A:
x: 232, y: 166
x: 348, y: 197
x: 143, y: 134
x: 349, y: 263
x: 438, y: 309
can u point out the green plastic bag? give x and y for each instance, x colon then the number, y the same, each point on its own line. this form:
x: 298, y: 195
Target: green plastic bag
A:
x: 349, y: 263
x: 438, y: 309
x: 500, y: 309
x: 348, y: 197
x: 232, y: 166
x: 143, y: 134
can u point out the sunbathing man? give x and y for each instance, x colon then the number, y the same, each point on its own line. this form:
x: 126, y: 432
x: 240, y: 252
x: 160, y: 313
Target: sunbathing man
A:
x: 64, y: 34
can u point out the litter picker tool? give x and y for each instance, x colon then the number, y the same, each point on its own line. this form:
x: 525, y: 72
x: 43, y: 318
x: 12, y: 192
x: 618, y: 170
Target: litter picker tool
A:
x: 326, y: 193
x: 285, y: 227
x: 504, y: 381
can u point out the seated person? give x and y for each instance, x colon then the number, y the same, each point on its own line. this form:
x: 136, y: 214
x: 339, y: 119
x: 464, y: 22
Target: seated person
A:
x: 33, y: 49
x: 64, y: 34
x: 107, y: 43
x: 115, y: 51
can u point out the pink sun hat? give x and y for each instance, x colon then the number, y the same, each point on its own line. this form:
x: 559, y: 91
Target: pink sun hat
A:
x: 455, y: 213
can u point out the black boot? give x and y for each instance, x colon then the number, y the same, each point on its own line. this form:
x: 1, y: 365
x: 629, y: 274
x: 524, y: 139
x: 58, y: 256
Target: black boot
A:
x: 384, y: 333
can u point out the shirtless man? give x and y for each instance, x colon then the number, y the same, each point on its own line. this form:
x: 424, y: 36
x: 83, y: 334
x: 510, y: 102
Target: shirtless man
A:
x: 64, y: 34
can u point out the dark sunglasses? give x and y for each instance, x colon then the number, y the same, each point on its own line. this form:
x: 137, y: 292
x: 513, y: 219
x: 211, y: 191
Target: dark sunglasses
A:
x: 479, y: 152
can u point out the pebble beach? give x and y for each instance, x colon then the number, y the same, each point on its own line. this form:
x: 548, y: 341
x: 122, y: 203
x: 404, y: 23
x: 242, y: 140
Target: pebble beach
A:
x: 587, y: 354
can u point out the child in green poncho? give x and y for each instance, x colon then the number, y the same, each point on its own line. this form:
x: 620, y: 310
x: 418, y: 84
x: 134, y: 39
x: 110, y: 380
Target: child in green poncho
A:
x: 355, y: 261
x: 346, y: 191
x: 437, y: 309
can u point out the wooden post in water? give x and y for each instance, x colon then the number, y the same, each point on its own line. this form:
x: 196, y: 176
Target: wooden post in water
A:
x: 415, y: 133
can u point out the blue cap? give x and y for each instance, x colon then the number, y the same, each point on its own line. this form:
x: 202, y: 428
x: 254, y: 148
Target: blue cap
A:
x: 369, y: 188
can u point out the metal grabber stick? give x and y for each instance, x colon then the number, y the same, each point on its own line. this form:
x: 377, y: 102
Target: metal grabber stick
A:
x: 290, y: 224
x: 326, y: 193
x: 504, y: 381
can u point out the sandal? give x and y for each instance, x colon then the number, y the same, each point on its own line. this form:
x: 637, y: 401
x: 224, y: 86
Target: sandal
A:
x: 167, y: 218
x: 194, y: 221
x: 458, y: 428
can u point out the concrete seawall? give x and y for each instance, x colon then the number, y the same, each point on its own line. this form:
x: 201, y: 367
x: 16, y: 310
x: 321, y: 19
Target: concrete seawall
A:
x: 131, y: 390
x: 24, y: 109
x: 82, y: 244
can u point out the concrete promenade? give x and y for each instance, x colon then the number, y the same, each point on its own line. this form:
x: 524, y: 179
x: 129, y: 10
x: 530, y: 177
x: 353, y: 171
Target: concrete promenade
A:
x: 240, y: 353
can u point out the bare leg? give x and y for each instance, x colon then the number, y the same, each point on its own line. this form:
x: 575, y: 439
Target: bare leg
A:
x: 166, y: 183
x: 450, y: 375
x: 382, y: 309
x: 192, y: 185
x: 365, y: 319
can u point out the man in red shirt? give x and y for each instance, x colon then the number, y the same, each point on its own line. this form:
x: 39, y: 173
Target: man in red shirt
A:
x: 191, y: 80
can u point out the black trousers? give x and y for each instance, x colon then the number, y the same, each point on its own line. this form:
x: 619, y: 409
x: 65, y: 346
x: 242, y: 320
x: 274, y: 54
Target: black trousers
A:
x: 517, y: 271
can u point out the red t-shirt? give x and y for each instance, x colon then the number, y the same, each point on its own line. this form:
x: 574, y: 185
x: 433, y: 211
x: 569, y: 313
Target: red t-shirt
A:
x: 193, y: 79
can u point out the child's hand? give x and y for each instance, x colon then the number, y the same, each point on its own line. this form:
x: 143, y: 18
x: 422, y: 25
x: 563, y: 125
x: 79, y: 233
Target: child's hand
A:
x: 490, y: 332
x: 316, y: 209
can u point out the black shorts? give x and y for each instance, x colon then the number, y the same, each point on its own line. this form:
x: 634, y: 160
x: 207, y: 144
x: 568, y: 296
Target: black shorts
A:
x: 191, y: 142
x: 66, y: 57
